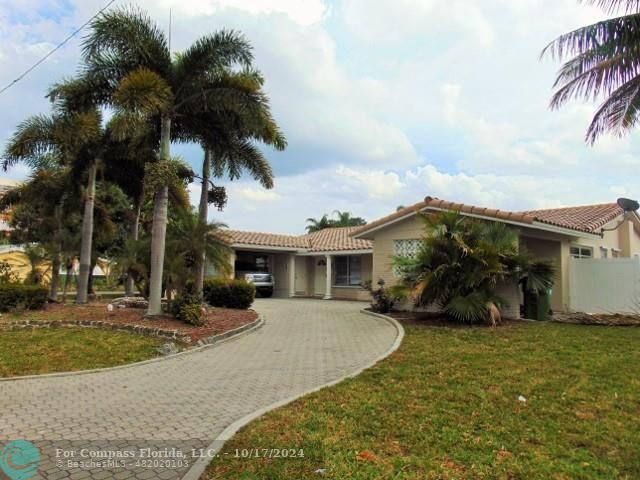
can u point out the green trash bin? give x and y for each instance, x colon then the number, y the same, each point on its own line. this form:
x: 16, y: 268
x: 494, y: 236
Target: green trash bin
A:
x: 537, y: 305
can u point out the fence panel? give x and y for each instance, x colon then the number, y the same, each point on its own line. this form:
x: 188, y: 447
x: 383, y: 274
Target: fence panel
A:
x: 604, y: 285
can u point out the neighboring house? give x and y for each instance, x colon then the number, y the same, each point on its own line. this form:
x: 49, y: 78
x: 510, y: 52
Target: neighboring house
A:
x: 6, y: 184
x: 333, y: 263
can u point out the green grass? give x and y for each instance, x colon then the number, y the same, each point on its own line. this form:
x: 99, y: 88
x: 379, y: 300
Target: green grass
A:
x: 445, y: 406
x: 31, y: 352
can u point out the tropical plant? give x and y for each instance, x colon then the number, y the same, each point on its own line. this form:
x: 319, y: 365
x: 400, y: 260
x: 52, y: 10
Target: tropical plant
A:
x: 346, y: 219
x: 128, y: 65
x: 315, y: 225
x: 603, y: 63
x: 462, y: 260
x: 187, y: 237
x: 228, y: 139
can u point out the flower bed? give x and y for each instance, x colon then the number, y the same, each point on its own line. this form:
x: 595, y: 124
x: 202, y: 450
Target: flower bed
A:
x: 218, y: 321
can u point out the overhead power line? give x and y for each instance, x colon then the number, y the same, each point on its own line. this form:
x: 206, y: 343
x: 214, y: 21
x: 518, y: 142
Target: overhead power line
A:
x: 58, y: 47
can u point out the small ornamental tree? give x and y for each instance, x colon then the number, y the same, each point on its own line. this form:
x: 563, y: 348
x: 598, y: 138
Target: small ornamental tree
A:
x: 460, y: 263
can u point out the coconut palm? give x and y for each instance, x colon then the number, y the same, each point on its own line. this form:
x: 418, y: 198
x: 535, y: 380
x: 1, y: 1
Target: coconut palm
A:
x: 128, y: 65
x: 603, y: 62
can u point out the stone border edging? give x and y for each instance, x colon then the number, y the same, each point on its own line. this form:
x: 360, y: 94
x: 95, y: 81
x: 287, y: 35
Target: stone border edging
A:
x: 209, y: 342
x: 200, y: 465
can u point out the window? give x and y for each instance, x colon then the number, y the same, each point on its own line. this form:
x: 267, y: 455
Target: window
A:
x: 604, y: 253
x: 581, y: 252
x: 348, y: 271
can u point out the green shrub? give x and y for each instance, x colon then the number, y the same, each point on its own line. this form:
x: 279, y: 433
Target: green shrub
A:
x: 192, y: 314
x: 23, y: 297
x: 241, y: 295
x: 216, y: 292
x: 220, y: 292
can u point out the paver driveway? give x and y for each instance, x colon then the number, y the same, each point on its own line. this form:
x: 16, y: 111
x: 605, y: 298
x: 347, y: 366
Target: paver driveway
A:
x: 185, y: 402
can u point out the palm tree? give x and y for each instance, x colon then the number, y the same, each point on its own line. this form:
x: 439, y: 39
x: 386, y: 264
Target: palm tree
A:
x: 128, y: 65
x: 69, y: 139
x: 188, y: 236
x: 603, y: 62
x: 315, y: 225
x: 462, y: 260
x: 229, y: 149
x: 345, y: 219
x: 42, y: 213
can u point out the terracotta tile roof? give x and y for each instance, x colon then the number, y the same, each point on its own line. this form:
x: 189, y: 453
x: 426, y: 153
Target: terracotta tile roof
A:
x: 336, y: 239
x: 266, y: 239
x: 327, y: 240
x: 403, y: 212
x: 519, y: 217
x: 585, y: 218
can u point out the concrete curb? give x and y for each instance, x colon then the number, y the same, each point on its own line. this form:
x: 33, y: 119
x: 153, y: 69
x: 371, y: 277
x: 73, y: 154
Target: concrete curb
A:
x: 210, y: 342
x: 201, y: 464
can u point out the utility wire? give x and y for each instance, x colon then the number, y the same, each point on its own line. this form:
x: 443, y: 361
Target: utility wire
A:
x: 58, y: 47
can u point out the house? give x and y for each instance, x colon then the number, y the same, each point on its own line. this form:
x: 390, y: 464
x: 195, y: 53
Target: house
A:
x: 333, y: 263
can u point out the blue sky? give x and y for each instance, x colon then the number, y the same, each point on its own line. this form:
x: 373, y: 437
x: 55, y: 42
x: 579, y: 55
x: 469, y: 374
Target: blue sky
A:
x: 382, y: 102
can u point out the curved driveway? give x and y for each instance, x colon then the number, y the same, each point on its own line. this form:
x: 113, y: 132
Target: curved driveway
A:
x: 187, y: 401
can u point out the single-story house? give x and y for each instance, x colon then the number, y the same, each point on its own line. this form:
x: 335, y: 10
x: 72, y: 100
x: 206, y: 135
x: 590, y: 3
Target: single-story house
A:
x: 333, y: 263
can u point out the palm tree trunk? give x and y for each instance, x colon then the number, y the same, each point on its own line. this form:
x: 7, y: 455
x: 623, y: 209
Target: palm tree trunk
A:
x: 203, y: 212
x: 87, y: 236
x: 159, y: 228
x: 129, y: 284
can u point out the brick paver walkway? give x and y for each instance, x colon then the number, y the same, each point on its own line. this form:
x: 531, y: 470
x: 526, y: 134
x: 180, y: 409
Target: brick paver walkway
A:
x: 175, y: 405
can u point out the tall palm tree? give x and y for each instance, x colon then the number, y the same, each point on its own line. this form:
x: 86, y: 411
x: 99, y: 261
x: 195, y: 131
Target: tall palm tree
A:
x: 128, y: 64
x: 228, y: 139
x: 604, y: 62
x: 70, y: 139
x: 345, y: 219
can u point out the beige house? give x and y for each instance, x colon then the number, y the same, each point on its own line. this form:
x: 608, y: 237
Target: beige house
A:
x: 333, y: 263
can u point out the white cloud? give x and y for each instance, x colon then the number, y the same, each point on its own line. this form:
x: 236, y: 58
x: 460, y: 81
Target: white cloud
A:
x: 303, y: 12
x: 373, y: 183
x: 256, y: 194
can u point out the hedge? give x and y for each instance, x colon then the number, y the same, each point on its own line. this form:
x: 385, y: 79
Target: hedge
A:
x: 220, y: 292
x: 19, y: 296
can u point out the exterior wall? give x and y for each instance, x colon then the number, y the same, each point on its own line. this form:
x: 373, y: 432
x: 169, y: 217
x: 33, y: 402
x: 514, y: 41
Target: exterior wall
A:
x: 510, y: 293
x: 383, y: 247
x: 280, y: 269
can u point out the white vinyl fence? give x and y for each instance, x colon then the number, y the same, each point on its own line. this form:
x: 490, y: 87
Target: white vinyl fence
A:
x: 607, y: 285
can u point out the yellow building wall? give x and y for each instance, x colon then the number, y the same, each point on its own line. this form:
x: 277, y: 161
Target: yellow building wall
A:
x: 21, y: 267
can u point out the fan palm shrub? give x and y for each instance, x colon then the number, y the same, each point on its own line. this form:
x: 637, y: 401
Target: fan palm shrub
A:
x: 460, y: 263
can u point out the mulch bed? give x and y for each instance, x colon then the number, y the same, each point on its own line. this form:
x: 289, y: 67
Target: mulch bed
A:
x: 218, y: 320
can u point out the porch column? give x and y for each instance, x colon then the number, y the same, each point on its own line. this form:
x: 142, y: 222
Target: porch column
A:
x: 327, y: 291
x: 292, y: 275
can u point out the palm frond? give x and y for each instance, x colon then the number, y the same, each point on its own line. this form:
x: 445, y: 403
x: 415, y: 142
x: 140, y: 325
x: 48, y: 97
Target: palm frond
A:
x: 143, y: 92
x: 611, y: 6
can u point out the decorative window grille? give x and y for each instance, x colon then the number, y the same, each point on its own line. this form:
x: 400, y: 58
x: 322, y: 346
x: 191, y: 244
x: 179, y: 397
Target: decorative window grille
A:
x: 405, y: 248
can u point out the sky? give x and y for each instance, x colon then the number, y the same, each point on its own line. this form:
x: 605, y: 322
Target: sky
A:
x: 382, y: 103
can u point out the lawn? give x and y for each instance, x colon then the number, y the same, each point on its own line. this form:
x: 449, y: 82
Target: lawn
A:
x: 445, y: 406
x: 30, y: 352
